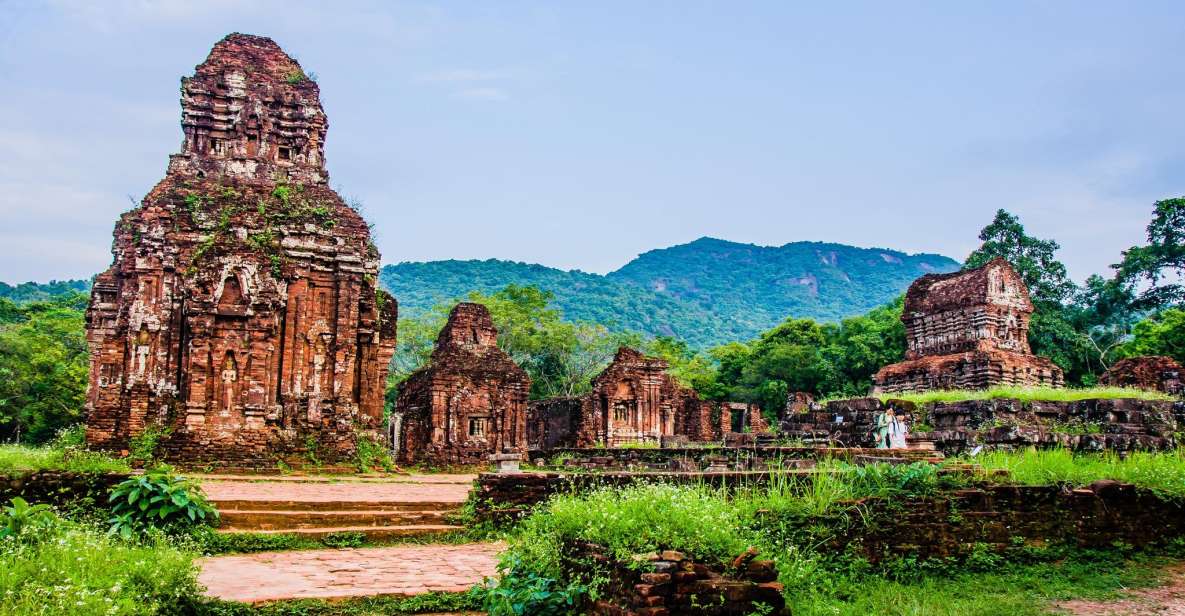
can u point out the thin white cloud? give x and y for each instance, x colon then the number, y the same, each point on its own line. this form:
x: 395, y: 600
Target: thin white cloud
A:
x: 484, y: 94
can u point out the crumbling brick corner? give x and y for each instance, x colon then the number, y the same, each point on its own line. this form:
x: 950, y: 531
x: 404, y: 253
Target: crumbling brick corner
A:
x: 1150, y: 372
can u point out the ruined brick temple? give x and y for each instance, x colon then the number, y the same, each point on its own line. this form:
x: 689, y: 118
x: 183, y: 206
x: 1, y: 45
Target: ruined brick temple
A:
x: 633, y: 400
x: 469, y: 401
x: 1151, y: 372
x: 967, y: 330
x: 241, y: 315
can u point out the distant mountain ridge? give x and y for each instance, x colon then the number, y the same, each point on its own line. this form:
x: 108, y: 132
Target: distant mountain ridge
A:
x: 706, y: 292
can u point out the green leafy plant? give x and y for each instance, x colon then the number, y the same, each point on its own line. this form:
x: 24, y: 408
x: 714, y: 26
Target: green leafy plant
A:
x: 19, y: 517
x: 344, y: 539
x: 520, y: 590
x: 370, y: 455
x: 142, y: 448
x: 158, y: 499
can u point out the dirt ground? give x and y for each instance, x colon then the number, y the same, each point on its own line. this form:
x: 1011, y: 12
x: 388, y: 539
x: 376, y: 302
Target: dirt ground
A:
x: 1166, y: 600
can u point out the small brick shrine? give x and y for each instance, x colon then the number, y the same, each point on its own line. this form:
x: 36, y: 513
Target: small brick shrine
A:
x: 967, y: 330
x: 468, y: 402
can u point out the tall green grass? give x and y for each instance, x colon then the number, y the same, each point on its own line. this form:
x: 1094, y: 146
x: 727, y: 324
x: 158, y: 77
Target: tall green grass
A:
x: 72, y: 570
x: 793, y: 519
x: 21, y: 459
x: 1163, y: 472
x: 1027, y: 394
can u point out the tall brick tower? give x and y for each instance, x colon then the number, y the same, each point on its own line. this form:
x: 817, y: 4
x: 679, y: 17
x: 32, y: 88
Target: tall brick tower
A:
x: 241, y: 316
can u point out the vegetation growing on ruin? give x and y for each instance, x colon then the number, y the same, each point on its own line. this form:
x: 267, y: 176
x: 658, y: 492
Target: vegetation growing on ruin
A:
x: 792, y: 521
x: 215, y: 209
x: 1027, y: 394
x: 1162, y: 473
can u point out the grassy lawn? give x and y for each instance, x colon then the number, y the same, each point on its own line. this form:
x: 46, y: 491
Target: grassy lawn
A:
x: 1020, y: 590
x: 1163, y: 473
x: 21, y: 459
x: 1026, y: 394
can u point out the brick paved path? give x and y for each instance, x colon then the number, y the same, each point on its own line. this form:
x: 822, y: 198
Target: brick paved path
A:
x: 395, y: 491
x: 339, y: 574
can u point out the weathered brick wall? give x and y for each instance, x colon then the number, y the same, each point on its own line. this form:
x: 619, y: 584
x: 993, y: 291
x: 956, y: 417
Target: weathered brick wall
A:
x: 59, y: 488
x: 667, y: 582
x: 700, y: 458
x: 1092, y: 425
x: 553, y: 423
x: 1123, y: 424
x: 1003, y: 517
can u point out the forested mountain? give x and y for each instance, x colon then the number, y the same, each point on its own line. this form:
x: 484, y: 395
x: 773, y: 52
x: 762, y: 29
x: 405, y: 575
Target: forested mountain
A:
x: 705, y: 293
x: 37, y: 291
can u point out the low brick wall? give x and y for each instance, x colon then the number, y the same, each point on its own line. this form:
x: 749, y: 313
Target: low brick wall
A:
x: 1086, y: 425
x: 1006, y: 517
x: 59, y: 488
x: 694, y: 459
x: 668, y: 583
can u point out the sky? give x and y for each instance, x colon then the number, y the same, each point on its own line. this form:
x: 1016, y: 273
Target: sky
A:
x: 580, y: 134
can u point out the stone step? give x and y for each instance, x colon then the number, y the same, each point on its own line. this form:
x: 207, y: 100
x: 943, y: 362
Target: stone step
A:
x: 332, y: 505
x: 284, y: 519
x: 371, y: 532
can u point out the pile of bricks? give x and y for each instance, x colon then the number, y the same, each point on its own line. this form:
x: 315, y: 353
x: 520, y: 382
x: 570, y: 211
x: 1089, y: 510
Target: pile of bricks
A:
x: 668, y: 582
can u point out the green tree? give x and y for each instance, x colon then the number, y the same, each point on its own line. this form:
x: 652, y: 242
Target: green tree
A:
x: 1058, y: 330
x: 1160, y: 334
x: 695, y: 370
x: 1159, y: 265
x: 859, y: 346
x: 1032, y: 258
x: 43, y: 367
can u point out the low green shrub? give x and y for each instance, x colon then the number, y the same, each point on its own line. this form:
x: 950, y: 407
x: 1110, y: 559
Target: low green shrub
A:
x: 158, y: 499
x: 345, y: 539
x: 371, y: 455
x: 431, y: 602
x: 520, y: 590
x: 209, y: 541
x: 20, y: 520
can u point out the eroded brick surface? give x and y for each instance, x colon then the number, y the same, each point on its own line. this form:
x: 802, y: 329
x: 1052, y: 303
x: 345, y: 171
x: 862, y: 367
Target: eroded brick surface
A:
x: 967, y: 330
x: 241, y: 313
x: 1152, y: 372
x: 339, y: 574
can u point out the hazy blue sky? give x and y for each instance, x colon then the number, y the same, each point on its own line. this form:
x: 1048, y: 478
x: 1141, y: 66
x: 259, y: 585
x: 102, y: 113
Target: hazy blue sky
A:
x: 580, y: 134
